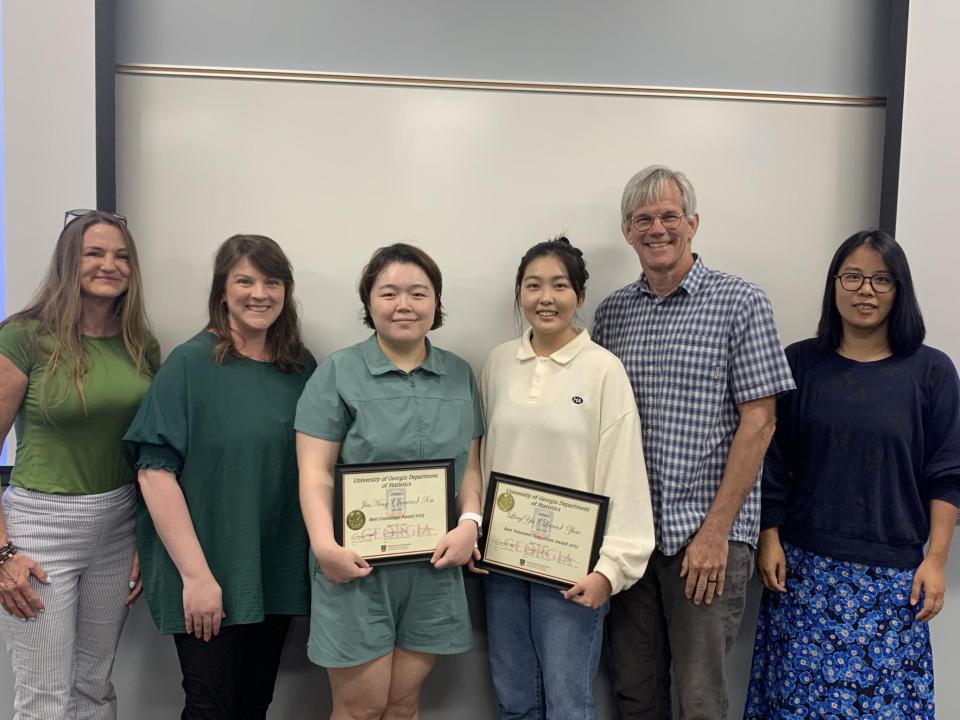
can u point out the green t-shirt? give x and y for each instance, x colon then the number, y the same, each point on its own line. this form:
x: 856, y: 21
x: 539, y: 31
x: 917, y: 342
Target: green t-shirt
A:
x: 226, y: 431
x: 378, y: 413
x: 69, y: 451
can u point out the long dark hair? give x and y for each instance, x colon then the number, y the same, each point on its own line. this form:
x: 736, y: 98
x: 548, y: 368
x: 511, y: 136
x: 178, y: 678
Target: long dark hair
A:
x: 284, y: 341
x: 905, y: 328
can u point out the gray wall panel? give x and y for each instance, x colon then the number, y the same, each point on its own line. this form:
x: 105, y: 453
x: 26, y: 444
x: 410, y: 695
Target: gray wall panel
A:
x: 805, y: 46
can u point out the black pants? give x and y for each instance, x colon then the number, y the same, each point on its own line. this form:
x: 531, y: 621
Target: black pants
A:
x: 231, y: 677
x: 652, y: 626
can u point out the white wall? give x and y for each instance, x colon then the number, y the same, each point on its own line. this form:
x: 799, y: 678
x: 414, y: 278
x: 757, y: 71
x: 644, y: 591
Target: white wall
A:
x: 475, y: 178
x: 49, y: 160
x: 930, y: 166
x: 929, y: 179
x: 49, y: 130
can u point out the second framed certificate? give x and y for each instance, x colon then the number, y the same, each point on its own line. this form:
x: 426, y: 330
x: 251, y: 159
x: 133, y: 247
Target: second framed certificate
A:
x: 393, y: 512
x: 540, y: 532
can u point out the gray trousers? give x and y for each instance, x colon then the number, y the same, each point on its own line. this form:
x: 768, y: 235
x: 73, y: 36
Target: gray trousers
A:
x: 63, y: 659
x: 652, y: 626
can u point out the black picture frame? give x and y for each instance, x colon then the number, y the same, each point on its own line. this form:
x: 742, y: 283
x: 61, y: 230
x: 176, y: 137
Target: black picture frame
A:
x: 493, y: 513
x: 342, y: 473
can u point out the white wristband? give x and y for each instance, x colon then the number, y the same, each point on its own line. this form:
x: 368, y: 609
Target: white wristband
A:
x: 478, y: 519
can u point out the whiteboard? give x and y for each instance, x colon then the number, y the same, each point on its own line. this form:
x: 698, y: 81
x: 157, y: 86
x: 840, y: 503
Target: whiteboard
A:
x: 333, y: 171
x: 475, y: 177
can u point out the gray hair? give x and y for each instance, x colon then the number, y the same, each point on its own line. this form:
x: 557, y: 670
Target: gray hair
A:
x: 647, y: 187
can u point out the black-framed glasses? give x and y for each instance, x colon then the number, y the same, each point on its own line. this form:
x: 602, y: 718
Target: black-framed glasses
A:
x: 71, y: 215
x: 643, y: 222
x: 880, y: 282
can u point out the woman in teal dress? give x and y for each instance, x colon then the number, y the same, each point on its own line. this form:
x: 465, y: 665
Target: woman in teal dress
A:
x: 222, y: 545
x: 393, y: 397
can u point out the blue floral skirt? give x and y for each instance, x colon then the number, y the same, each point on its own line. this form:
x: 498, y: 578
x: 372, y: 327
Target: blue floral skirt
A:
x: 842, y: 642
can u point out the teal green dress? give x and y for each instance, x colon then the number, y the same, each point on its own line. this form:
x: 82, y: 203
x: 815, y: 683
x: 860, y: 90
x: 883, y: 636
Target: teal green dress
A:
x: 226, y: 432
x: 379, y: 413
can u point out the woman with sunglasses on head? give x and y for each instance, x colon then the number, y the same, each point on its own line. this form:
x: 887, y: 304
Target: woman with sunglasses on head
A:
x: 222, y: 544
x: 560, y: 409
x: 74, y: 366
x: 864, y: 471
x: 392, y: 398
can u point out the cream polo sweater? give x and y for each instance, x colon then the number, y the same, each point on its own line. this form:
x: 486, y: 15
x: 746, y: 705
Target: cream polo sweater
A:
x: 570, y: 419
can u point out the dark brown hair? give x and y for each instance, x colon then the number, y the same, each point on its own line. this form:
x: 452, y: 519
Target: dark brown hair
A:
x: 284, y: 340
x: 401, y: 253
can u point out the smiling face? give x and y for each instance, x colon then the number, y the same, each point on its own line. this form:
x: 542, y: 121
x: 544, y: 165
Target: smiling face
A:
x: 254, y: 301
x: 104, y: 263
x: 663, y: 252
x: 864, y: 311
x: 548, y: 301
x: 403, y: 305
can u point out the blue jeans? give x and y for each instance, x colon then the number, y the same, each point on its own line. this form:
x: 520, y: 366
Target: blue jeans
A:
x: 544, y: 650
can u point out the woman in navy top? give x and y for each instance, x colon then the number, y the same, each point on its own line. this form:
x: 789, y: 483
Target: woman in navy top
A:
x: 863, y: 471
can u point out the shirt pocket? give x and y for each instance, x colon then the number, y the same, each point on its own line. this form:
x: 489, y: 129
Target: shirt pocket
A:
x: 369, y: 432
x: 694, y: 385
x: 444, y: 435
x: 694, y: 361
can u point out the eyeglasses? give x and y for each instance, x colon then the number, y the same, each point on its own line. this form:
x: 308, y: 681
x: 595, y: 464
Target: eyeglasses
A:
x: 881, y: 282
x: 71, y: 215
x: 669, y: 220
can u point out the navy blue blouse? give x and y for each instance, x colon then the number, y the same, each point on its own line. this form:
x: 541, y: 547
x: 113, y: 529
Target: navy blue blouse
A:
x: 859, y: 452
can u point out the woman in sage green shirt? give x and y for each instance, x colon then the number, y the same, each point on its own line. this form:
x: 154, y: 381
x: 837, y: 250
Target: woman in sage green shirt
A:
x: 222, y: 544
x: 74, y: 366
x: 393, y: 397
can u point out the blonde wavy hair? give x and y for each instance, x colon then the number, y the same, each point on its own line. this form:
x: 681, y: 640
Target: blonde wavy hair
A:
x: 57, y: 309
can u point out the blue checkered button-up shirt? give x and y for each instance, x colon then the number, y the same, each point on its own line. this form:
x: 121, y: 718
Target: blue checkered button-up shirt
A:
x: 692, y: 357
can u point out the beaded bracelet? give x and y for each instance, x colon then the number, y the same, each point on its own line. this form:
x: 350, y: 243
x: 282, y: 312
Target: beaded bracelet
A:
x: 7, y: 551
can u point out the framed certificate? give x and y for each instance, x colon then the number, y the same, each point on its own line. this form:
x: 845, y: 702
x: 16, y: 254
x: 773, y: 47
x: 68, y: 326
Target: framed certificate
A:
x: 393, y: 512
x: 544, y: 533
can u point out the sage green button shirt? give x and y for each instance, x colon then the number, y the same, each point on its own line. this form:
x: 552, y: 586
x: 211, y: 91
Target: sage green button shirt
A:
x: 378, y: 413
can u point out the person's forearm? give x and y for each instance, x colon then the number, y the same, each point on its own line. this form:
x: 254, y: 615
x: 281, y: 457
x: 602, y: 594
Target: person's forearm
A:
x: 749, y: 445
x: 316, y: 459
x: 316, y: 504
x: 171, y: 518
x: 943, y: 520
x: 13, y: 388
x: 468, y: 499
x: 4, y: 538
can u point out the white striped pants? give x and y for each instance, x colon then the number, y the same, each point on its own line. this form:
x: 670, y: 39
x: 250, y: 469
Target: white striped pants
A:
x: 63, y: 659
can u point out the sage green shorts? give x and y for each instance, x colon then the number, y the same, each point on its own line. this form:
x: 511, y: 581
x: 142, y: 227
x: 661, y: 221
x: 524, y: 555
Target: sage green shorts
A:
x: 411, y: 606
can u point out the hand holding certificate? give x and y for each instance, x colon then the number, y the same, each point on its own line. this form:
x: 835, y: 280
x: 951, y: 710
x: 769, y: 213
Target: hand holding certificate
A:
x: 396, y: 512
x: 540, y: 532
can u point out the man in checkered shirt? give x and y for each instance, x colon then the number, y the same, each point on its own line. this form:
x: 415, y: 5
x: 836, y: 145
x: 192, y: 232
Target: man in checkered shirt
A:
x: 702, y: 351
